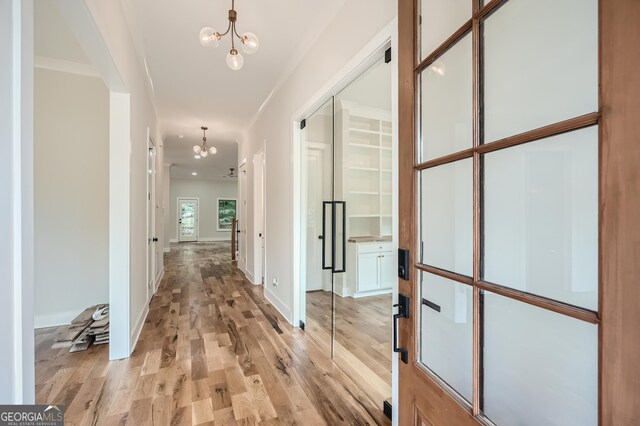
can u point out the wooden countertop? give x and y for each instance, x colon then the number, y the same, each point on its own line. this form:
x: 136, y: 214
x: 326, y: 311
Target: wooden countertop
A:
x: 369, y: 239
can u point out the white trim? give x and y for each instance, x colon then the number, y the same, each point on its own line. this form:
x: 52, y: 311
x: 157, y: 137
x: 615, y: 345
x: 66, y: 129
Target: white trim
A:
x: 119, y: 225
x: 178, y: 218
x: 213, y: 239
x: 173, y: 240
x: 158, y: 280
x: 218, y: 212
x: 135, y: 335
x: 167, y: 249
x: 341, y: 79
x: 278, y: 304
x: 69, y: 67
x: 54, y: 320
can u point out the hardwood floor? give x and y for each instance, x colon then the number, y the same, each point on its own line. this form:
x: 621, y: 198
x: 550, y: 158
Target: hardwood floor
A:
x: 212, y: 351
x: 363, y: 337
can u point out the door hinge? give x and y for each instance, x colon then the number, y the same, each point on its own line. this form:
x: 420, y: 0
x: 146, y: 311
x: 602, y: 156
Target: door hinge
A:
x: 303, y: 124
x: 387, y: 56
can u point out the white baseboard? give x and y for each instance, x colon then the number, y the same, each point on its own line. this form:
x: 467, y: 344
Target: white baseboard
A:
x: 357, y: 295
x: 213, y: 239
x: 167, y: 249
x: 173, y: 240
x: 139, y: 324
x: 158, y: 279
x: 278, y: 304
x: 54, y: 320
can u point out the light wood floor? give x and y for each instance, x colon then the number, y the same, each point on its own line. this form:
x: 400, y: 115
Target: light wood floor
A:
x: 363, y: 337
x: 212, y: 351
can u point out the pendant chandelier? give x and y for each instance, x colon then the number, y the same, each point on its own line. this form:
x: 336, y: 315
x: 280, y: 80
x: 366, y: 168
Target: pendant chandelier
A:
x: 250, y: 43
x: 203, y: 150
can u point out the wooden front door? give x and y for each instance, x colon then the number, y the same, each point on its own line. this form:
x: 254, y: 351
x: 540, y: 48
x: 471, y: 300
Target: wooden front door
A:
x: 518, y: 204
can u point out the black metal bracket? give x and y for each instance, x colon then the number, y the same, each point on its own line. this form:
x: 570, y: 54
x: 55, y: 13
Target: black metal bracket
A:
x: 403, y: 264
x: 387, y: 56
x: 430, y: 304
x: 403, y: 312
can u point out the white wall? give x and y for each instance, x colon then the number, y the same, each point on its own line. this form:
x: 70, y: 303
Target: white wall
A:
x: 325, y: 58
x: 71, y: 118
x: 17, y: 381
x: 207, y: 191
x: 111, y: 23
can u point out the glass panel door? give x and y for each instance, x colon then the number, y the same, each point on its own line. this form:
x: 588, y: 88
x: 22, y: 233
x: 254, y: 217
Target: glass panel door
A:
x: 188, y: 220
x: 317, y: 201
x: 507, y: 146
x: 362, y: 294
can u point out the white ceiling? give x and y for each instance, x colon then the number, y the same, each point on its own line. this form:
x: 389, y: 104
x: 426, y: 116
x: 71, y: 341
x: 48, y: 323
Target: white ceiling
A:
x: 193, y: 86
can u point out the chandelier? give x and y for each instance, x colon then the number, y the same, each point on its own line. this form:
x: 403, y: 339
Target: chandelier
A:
x: 250, y: 43
x: 203, y: 150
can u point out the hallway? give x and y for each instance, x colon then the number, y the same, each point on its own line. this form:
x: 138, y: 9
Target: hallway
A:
x: 212, y: 351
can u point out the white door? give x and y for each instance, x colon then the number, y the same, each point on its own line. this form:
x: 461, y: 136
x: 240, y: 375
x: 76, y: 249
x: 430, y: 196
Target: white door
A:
x: 151, y: 216
x: 259, y: 203
x: 242, y: 220
x: 187, y: 219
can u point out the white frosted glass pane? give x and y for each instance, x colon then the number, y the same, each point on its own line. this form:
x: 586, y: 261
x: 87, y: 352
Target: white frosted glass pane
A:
x: 440, y: 19
x: 447, y: 216
x: 540, y: 368
x: 541, y: 217
x: 540, y: 64
x: 446, y: 102
x: 447, y: 336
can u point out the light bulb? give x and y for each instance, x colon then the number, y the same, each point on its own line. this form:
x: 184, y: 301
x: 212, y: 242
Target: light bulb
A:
x: 204, y: 153
x: 197, y: 149
x: 212, y: 150
x: 209, y: 36
x: 234, y: 60
x: 250, y: 43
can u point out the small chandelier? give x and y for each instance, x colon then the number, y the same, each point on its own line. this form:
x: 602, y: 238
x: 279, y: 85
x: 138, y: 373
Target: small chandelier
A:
x: 250, y: 43
x: 203, y: 150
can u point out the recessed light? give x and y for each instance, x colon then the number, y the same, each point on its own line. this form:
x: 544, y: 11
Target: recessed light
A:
x: 194, y: 174
x: 197, y: 157
x: 180, y: 136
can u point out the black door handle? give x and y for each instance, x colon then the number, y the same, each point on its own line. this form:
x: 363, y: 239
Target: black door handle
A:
x: 321, y: 237
x: 155, y: 239
x: 403, y: 312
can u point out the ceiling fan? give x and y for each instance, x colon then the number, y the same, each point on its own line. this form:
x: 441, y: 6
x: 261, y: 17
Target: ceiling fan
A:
x: 231, y: 173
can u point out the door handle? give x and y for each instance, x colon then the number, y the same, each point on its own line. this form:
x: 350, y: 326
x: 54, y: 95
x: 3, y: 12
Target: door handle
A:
x: 155, y: 239
x: 403, y: 312
x: 324, y: 233
x: 344, y: 235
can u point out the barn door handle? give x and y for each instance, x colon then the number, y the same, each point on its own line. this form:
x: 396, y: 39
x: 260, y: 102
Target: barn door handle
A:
x: 403, y: 312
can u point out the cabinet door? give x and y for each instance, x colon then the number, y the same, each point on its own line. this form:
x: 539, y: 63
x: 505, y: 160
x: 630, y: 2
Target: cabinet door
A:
x: 386, y: 269
x: 368, y: 272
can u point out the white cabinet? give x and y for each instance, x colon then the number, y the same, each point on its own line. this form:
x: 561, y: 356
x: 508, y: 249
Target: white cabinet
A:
x: 371, y: 270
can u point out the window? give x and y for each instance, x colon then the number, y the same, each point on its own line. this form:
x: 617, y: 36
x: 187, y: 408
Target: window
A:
x: 226, y: 213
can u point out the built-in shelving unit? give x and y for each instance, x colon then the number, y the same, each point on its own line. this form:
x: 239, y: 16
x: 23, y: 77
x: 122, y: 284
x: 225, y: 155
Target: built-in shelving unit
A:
x: 363, y: 147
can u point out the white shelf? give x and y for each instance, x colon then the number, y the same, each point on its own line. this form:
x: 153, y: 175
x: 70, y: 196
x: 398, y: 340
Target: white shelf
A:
x: 364, y: 145
x: 365, y: 193
x: 367, y: 131
x: 364, y: 169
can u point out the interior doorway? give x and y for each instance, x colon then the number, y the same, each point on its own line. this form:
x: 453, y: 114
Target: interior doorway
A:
x: 187, y: 219
x: 259, y: 218
x: 241, y: 230
x: 346, y: 202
